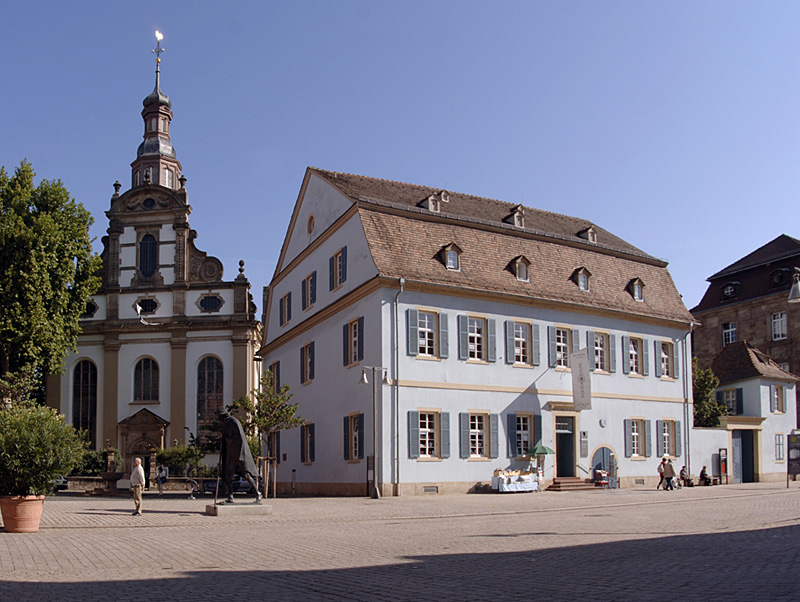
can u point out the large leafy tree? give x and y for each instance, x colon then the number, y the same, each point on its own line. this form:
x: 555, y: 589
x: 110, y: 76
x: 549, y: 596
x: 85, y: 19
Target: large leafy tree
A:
x: 48, y: 272
x: 706, y: 409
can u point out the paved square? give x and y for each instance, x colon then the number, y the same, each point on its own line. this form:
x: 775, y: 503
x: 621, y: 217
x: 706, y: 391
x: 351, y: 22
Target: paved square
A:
x: 736, y: 542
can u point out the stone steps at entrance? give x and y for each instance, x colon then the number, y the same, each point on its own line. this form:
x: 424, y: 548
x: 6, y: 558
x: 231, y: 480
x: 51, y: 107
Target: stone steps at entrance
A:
x: 570, y: 484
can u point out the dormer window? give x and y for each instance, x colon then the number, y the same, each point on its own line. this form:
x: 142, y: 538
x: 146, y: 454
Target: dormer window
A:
x: 589, y: 234
x: 636, y: 289
x: 433, y: 203
x: 517, y: 217
x: 451, y: 256
x: 780, y: 278
x: 581, y: 278
x: 521, y: 265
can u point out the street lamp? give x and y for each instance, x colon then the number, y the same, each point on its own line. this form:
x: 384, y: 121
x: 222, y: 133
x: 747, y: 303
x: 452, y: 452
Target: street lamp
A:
x: 794, y: 292
x: 376, y: 494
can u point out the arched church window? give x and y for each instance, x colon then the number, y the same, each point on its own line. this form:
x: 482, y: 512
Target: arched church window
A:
x: 84, y: 399
x: 148, y: 255
x: 145, y: 381
x: 209, y: 399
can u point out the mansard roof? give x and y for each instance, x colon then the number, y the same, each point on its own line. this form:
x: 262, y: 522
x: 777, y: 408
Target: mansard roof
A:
x: 475, y: 209
x: 406, y: 240
x: 741, y: 361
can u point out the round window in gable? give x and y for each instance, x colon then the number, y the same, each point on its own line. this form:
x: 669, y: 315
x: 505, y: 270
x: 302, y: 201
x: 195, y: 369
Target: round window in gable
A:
x: 148, y: 306
x: 149, y: 203
x: 210, y: 303
x: 310, y: 224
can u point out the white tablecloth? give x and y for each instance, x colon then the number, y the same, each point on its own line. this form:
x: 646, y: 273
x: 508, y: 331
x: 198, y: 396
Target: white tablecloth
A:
x: 523, y: 482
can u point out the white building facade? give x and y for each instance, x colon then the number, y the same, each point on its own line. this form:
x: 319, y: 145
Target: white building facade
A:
x: 467, y: 312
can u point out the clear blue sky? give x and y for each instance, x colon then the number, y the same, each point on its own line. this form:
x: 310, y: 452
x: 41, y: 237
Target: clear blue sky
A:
x: 674, y: 125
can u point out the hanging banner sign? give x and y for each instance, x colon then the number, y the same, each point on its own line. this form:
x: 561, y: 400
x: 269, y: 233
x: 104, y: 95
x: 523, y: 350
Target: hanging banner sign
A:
x: 581, y: 380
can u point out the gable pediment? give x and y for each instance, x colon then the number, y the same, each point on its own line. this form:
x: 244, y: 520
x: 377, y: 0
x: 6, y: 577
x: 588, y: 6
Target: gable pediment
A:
x: 144, y: 417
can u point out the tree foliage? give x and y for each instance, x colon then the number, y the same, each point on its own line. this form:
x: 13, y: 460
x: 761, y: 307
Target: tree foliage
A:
x: 706, y: 409
x: 268, y: 410
x: 48, y: 272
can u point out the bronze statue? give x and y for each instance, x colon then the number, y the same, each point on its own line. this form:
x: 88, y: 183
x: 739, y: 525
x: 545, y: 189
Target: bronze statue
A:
x: 235, y: 456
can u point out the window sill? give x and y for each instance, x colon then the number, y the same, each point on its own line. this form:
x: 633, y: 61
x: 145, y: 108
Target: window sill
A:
x: 428, y: 459
x: 307, y: 463
x: 428, y: 358
x: 478, y: 459
x: 307, y: 382
x: 635, y: 375
x: 353, y: 364
x: 668, y: 379
x: 602, y: 372
x: 639, y: 458
x: 354, y: 461
x: 477, y: 361
x: 522, y: 365
x: 563, y: 369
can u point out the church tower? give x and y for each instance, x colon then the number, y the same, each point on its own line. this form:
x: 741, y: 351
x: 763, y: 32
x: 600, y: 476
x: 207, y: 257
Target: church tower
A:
x: 166, y: 341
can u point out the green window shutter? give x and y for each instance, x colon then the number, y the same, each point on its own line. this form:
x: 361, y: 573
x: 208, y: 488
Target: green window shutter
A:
x: 535, y: 345
x: 303, y: 442
x: 277, y: 375
x: 330, y: 273
x: 492, y: 340
x: 612, y: 353
x: 302, y: 364
x: 278, y: 447
x: 281, y: 321
x: 511, y: 421
x: 347, y: 437
x: 772, y: 406
x: 576, y: 340
x: 626, y: 356
x: 551, y: 346
x: 628, y: 437
x: 678, y: 438
x: 313, y: 287
x: 659, y: 438
x: 740, y: 401
x: 444, y: 424
x: 288, y: 306
x: 413, y: 435
x: 361, y: 338
x: 509, y: 341
x: 311, y: 443
x: 412, y: 332
x: 463, y: 337
x: 590, y: 346
x: 657, y: 354
x: 444, y: 342
x: 494, y: 436
x: 645, y: 357
x: 648, y: 448
x: 303, y: 299
x: 463, y: 427
x: 311, y: 362
x: 344, y: 263
x: 676, y: 359
x: 537, y: 428
x: 361, y: 436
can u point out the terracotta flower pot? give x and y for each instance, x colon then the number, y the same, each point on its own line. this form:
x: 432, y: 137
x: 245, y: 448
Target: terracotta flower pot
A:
x: 21, y: 513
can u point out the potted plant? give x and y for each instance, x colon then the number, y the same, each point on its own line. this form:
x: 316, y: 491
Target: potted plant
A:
x: 36, y: 446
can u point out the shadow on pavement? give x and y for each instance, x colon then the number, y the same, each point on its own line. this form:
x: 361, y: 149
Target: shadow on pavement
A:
x: 747, y: 565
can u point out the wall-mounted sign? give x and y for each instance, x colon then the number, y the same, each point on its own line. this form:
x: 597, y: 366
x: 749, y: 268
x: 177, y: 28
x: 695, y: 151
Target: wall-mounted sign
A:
x: 581, y: 380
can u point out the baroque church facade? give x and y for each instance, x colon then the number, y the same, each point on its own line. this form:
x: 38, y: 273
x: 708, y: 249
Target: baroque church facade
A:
x: 165, y: 341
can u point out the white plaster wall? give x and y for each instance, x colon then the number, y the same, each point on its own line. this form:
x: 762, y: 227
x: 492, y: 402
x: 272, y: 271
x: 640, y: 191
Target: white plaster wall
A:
x: 127, y: 305
x: 129, y: 354
x: 360, y: 268
x: 706, y: 443
x: 90, y: 348
x: 326, y: 204
x: 193, y: 296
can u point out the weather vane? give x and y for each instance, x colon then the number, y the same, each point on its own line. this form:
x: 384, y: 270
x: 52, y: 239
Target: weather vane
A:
x: 158, y: 49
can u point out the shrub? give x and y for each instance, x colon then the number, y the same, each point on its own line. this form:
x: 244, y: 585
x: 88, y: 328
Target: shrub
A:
x: 36, y: 446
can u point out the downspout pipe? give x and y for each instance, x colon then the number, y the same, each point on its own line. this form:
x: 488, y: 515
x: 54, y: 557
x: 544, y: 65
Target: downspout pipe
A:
x: 402, y: 283
x: 688, y: 419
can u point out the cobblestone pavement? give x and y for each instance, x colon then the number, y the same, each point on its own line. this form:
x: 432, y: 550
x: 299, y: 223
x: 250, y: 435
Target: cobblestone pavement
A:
x: 735, y: 542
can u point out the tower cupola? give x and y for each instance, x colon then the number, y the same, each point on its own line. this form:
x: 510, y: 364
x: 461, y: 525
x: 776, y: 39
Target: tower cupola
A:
x: 155, y: 157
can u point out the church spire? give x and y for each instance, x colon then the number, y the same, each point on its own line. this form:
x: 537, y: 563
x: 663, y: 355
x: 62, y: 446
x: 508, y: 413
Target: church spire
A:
x: 155, y: 158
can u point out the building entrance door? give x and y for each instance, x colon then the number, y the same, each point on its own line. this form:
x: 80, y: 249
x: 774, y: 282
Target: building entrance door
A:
x: 565, y: 446
x: 742, y: 457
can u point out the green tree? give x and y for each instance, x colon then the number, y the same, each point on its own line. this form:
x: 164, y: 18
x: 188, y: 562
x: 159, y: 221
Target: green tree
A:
x: 267, y: 410
x: 706, y: 409
x: 48, y: 272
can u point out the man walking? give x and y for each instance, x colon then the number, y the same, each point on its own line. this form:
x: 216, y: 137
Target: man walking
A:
x: 137, y: 485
